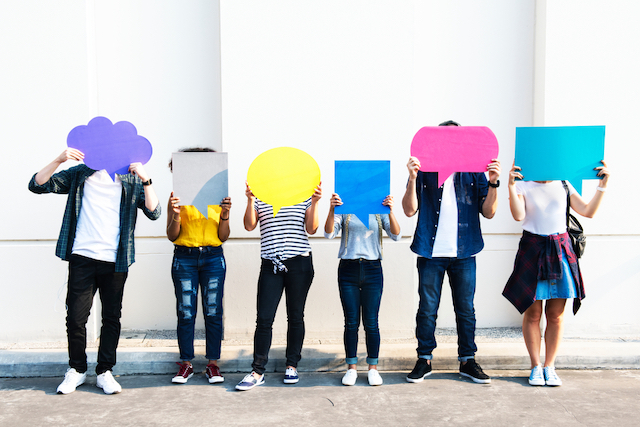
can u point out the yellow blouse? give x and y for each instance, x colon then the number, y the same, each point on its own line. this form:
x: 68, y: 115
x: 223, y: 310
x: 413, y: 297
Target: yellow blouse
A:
x: 196, y: 230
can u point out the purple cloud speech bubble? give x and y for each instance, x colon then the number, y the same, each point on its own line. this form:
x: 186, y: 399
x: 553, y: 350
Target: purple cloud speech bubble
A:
x: 110, y: 146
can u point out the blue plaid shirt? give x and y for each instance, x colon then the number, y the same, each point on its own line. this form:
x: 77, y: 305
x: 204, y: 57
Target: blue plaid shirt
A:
x: 471, y: 190
x: 71, y: 182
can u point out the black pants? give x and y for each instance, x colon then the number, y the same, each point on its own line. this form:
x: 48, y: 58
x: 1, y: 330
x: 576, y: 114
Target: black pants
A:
x: 296, y: 282
x: 86, y: 276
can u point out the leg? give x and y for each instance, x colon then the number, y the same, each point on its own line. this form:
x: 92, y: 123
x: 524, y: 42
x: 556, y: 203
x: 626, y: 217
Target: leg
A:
x: 297, y: 282
x: 348, y: 278
x: 462, y: 278
x: 554, y: 311
x: 371, y: 295
x: 430, y: 276
x: 111, y: 286
x: 531, y: 332
x: 80, y: 291
x: 212, y: 275
x: 270, y: 287
x: 184, y: 273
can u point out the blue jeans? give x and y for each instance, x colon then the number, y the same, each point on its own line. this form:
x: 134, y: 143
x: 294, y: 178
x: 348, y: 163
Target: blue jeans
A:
x: 195, y: 268
x: 462, y: 277
x: 360, y: 283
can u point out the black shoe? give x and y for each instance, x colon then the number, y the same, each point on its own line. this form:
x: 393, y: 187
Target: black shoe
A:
x: 472, y: 370
x: 420, y: 371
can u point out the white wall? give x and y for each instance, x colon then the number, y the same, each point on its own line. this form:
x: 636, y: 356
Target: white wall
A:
x: 340, y: 80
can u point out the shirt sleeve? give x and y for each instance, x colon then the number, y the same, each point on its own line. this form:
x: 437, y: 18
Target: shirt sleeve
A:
x: 483, y: 189
x: 59, y: 183
x: 386, y: 225
x: 337, y: 226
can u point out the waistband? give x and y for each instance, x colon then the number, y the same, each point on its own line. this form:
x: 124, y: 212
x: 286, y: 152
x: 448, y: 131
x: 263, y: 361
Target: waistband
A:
x: 186, y: 250
x: 360, y: 261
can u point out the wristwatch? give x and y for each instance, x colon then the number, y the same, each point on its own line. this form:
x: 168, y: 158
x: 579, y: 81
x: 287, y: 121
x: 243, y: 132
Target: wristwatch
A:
x: 145, y: 183
x: 496, y: 185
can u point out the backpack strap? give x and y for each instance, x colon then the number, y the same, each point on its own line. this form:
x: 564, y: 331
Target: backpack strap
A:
x: 566, y: 189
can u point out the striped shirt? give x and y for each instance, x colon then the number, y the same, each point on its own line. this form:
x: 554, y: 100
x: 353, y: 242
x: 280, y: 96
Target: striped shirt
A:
x: 283, y: 236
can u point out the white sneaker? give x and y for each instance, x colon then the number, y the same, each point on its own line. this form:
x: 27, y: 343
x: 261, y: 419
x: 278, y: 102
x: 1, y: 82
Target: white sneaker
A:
x: 350, y: 377
x: 374, y: 377
x: 107, y: 383
x: 536, y: 377
x: 550, y: 377
x: 291, y: 376
x: 72, y: 379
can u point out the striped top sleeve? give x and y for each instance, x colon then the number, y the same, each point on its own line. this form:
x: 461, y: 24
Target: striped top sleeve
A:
x: 283, y: 236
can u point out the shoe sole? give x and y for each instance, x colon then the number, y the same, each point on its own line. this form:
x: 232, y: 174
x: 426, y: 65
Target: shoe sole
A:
x: 215, y: 380
x: 286, y: 381
x: 245, y: 388
x: 109, y: 393
x: 536, y: 383
x: 418, y: 380
x: 476, y: 380
x: 552, y: 385
x: 181, y: 380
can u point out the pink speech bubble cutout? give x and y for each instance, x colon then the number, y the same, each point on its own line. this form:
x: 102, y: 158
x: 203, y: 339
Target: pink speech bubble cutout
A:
x: 449, y: 149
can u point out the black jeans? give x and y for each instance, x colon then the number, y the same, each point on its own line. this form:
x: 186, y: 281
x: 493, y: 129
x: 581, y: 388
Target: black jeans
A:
x: 86, y: 276
x: 296, y: 283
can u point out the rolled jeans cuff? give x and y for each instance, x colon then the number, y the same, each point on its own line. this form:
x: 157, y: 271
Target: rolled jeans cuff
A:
x: 426, y: 356
x: 465, y: 358
x: 372, y: 360
x: 351, y: 360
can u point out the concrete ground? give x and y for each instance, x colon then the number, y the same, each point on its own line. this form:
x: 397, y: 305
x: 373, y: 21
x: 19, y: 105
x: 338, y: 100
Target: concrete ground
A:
x: 587, y: 397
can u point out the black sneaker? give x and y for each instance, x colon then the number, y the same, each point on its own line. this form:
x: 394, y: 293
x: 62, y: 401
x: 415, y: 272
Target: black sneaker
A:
x: 472, y: 370
x: 420, y: 371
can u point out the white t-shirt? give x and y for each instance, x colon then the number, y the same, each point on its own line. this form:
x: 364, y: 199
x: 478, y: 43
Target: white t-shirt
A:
x: 98, y: 228
x: 446, y: 242
x: 545, y: 206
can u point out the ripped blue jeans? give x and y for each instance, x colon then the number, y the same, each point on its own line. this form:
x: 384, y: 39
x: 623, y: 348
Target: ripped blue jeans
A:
x: 194, y: 268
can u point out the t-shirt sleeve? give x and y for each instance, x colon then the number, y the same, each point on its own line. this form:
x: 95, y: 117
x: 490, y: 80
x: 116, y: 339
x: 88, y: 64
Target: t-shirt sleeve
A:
x: 386, y: 225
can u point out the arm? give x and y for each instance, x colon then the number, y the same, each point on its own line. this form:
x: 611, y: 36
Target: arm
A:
x: 173, y: 218
x: 329, y: 226
x: 150, y: 199
x: 70, y: 153
x: 516, y: 201
x: 589, y: 209
x: 410, y: 199
x: 250, y: 214
x: 311, y: 220
x: 394, y: 227
x: 223, y: 226
x: 490, y: 204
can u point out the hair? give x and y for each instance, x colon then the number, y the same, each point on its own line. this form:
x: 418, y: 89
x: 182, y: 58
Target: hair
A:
x: 192, y: 150
x: 449, y: 123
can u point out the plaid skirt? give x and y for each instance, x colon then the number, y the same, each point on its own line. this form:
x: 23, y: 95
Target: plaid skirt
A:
x: 540, y: 258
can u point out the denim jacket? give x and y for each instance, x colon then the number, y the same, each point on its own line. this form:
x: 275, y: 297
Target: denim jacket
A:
x: 471, y: 190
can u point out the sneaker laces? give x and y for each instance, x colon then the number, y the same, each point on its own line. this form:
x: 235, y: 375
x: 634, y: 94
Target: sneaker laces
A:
x: 183, y: 369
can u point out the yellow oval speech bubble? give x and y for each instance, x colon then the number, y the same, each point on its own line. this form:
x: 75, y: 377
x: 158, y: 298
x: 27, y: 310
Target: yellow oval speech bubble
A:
x: 283, y: 176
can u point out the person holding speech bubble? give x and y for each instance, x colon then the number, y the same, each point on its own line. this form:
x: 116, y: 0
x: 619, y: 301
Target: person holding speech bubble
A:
x: 446, y: 239
x: 97, y: 240
x: 360, y: 280
x: 286, y: 266
x: 546, y: 267
x: 198, y: 263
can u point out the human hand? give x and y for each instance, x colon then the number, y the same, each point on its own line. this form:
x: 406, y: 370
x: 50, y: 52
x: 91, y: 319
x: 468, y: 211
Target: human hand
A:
x: 70, y: 154
x: 388, y: 201
x: 226, y: 207
x: 604, y: 174
x: 335, y: 201
x: 317, y: 193
x: 248, y: 193
x: 513, y: 174
x: 414, y: 166
x: 494, y: 170
x: 175, y: 204
x: 137, y: 169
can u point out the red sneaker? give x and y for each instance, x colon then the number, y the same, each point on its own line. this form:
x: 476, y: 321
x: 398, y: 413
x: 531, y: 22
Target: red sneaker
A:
x: 183, y: 375
x: 213, y: 374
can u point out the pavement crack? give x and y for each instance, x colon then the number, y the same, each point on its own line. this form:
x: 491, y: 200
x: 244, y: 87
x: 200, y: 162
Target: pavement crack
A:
x: 330, y: 401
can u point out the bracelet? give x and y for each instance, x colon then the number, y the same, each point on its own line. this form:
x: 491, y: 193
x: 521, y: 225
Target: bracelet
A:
x: 224, y: 219
x: 602, y: 190
x: 173, y: 217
